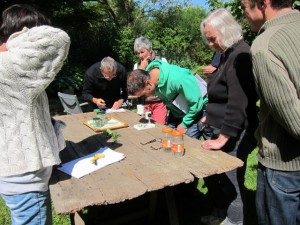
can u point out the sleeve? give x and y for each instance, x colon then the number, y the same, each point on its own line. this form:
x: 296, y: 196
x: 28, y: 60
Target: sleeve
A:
x: 87, y: 90
x: 123, y: 74
x: 238, y: 78
x: 37, y: 55
x: 216, y: 59
x: 195, y: 101
x: 277, y: 91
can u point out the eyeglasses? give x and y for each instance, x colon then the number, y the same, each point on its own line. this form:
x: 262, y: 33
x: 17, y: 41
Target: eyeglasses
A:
x: 152, y: 141
x: 106, y: 76
x: 211, y: 39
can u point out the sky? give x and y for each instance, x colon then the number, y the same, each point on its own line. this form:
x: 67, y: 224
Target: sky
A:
x: 200, y: 3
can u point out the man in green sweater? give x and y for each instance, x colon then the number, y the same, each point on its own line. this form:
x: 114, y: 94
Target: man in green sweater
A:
x: 276, y: 67
x: 167, y: 81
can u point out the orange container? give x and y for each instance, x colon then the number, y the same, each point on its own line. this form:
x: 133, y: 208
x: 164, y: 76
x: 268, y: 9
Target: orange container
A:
x: 166, y: 138
x: 177, y: 143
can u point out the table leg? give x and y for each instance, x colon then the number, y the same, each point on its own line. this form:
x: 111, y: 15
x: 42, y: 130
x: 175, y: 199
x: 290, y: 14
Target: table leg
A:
x: 76, y: 219
x: 152, y: 205
x: 173, y: 216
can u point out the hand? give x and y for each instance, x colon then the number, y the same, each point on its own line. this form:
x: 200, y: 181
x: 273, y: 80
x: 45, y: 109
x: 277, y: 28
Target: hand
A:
x: 3, y: 47
x: 203, y: 119
x: 180, y: 128
x: 117, y: 104
x: 99, y: 102
x: 209, y: 69
x: 144, y: 63
x: 215, y: 144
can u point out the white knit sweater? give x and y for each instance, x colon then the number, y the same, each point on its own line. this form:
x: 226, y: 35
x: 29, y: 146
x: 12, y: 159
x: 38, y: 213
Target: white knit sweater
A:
x: 27, y: 139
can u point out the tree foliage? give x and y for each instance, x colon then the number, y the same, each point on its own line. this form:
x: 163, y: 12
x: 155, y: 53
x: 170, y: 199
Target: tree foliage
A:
x: 109, y: 27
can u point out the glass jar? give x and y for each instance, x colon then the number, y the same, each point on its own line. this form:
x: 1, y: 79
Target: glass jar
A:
x: 96, y: 122
x: 102, y: 115
x: 177, y: 143
x: 166, y: 138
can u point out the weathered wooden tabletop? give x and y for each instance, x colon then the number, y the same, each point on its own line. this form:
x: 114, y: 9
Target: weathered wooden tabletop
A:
x: 143, y: 169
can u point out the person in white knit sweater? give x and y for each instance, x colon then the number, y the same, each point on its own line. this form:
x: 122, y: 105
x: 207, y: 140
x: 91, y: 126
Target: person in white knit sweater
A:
x: 32, y: 53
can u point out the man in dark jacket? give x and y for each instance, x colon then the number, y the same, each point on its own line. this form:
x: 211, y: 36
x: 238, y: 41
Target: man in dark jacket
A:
x: 105, y: 84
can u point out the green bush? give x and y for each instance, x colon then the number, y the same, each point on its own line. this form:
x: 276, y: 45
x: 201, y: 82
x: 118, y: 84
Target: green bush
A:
x: 198, y: 70
x: 70, y: 77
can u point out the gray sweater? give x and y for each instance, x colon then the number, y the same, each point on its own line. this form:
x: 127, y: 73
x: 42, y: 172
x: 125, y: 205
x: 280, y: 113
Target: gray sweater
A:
x: 276, y: 66
x: 27, y: 139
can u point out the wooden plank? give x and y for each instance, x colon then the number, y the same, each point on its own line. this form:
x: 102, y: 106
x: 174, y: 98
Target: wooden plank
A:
x: 106, y: 186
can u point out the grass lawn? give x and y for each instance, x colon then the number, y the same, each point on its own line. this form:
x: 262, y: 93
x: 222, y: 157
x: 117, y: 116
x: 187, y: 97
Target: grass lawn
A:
x: 189, y: 213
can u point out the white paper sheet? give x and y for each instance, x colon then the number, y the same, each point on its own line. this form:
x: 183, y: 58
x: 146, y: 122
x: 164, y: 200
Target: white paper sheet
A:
x: 180, y: 103
x: 115, y: 110
x: 83, y: 166
x: 202, y: 84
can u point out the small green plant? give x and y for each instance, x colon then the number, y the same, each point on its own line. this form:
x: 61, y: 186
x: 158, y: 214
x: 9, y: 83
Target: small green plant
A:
x: 114, y: 135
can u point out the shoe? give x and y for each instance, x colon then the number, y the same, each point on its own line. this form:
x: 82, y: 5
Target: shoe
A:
x: 211, y: 220
x: 215, y: 218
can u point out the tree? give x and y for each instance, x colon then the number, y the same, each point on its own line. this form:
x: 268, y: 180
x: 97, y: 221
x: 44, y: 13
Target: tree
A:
x: 174, y: 30
x: 108, y: 28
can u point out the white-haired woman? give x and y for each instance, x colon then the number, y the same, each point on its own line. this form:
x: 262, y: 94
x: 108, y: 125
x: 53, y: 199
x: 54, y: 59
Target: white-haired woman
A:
x: 143, y: 49
x: 231, y: 114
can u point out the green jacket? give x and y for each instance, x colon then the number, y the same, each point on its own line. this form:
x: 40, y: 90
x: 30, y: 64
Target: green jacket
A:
x: 174, y: 80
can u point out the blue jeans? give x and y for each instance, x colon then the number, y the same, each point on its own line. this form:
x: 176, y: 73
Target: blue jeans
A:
x: 33, y: 208
x: 192, y: 131
x: 277, y: 197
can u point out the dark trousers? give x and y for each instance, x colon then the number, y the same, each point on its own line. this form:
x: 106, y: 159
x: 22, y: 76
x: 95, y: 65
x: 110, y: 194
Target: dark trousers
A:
x: 226, y: 190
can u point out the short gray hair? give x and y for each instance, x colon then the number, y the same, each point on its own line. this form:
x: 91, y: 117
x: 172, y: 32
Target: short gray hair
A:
x: 223, y: 22
x: 142, y: 43
x: 136, y: 81
x: 108, y: 63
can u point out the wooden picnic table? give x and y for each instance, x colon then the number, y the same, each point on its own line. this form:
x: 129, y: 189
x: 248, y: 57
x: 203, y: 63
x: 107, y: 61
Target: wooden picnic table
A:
x: 143, y: 170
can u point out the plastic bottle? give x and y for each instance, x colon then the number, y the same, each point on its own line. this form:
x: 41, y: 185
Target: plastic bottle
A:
x: 166, y: 138
x: 177, y: 143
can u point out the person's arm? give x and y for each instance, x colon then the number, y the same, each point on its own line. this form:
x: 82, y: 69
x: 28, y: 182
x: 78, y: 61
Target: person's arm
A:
x: 37, y: 55
x: 87, y: 91
x: 144, y: 63
x: 216, y: 143
x: 278, y: 91
x: 209, y: 69
x: 122, y: 74
x: 3, y: 47
x: 124, y: 94
x: 195, y: 101
x: 118, y: 104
